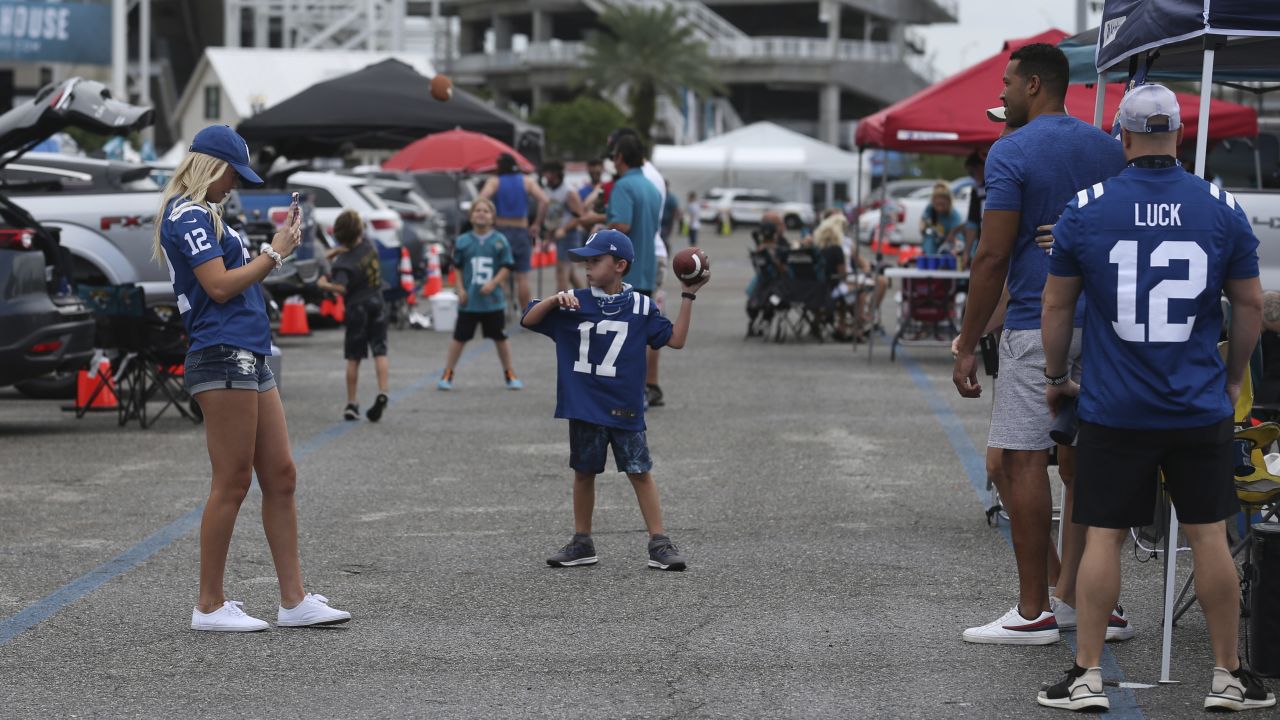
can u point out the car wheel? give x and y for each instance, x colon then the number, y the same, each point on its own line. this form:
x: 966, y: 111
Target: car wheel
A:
x: 793, y: 222
x: 55, y: 386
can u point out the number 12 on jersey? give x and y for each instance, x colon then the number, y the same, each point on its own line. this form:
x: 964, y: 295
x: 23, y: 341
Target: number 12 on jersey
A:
x: 1158, y: 328
x: 604, y: 327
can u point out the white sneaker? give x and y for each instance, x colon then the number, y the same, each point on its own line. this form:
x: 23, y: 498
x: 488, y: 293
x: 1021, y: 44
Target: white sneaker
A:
x: 228, y: 618
x: 1118, y: 626
x: 1239, y: 690
x: 313, y: 610
x: 1013, y: 629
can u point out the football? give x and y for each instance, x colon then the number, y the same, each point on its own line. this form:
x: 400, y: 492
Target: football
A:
x: 441, y: 87
x: 690, y: 265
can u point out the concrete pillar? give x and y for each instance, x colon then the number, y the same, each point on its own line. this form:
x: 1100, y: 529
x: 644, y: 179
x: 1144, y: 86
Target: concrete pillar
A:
x: 501, y: 32
x: 538, y: 97
x: 829, y: 114
x: 260, y: 25
x: 231, y: 25
x: 543, y: 27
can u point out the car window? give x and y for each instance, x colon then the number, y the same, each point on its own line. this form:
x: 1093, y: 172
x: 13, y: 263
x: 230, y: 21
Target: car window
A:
x: 15, y: 179
x: 437, y: 186
x: 772, y: 199
x: 320, y: 197
x: 368, y: 194
x: 713, y: 195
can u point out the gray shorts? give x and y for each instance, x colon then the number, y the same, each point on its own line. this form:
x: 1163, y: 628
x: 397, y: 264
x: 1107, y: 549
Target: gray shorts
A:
x: 1020, y: 417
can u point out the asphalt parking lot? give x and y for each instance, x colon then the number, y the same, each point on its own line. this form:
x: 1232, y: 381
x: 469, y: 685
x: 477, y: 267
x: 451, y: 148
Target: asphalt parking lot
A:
x: 837, y: 547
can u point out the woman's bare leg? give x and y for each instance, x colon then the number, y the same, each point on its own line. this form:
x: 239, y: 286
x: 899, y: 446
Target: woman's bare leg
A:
x: 277, y: 476
x: 230, y: 419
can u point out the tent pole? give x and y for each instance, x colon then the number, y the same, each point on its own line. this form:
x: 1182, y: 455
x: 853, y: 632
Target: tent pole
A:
x: 857, y: 185
x: 884, y: 199
x: 1202, y: 131
x: 1100, y: 101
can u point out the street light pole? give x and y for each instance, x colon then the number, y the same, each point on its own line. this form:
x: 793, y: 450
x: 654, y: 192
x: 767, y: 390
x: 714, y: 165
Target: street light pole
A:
x: 119, y: 49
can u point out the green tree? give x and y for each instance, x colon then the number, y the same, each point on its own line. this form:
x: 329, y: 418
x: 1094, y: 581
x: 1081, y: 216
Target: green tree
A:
x: 650, y: 52
x: 577, y: 130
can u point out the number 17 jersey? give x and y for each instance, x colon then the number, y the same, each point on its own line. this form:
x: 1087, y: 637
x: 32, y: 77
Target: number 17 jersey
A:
x: 1154, y: 248
x: 600, y: 355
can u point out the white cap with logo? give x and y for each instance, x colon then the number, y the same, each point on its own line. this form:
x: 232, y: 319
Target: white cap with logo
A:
x: 1150, y: 109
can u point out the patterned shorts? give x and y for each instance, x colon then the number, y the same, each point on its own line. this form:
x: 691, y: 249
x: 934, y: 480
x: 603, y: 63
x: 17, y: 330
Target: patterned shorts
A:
x: 589, y: 444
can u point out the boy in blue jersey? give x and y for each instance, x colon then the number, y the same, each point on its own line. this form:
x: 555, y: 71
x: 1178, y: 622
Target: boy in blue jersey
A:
x: 484, y: 259
x: 1153, y: 249
x: 602, y: 333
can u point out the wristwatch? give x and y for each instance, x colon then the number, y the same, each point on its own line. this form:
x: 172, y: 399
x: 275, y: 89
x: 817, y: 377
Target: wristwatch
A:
x: 270, y: 252
x: 688, y: 296
x: 1056, y: 380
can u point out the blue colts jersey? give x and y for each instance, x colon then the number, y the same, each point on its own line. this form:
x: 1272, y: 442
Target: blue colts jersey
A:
x: 1154, y: 248
x: 600, y: 355
x: 188, y: 239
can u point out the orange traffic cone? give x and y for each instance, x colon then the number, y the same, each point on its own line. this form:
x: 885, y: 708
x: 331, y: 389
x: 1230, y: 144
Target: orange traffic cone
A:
x: 453, y: 277
x: 339, y: 310
x: 433, y: 284
x: 101, y: 382
x: 293, y: 317
x: 406, y: 276
x: 551, y: 255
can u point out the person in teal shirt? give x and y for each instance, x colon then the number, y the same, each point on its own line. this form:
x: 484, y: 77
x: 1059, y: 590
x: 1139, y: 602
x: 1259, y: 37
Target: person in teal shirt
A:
x: 635, y: 209
x: 940, y: 222
x: 485, y: 260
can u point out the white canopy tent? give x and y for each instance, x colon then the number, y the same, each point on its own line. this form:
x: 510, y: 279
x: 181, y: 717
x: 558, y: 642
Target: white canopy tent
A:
x: 765, y: 156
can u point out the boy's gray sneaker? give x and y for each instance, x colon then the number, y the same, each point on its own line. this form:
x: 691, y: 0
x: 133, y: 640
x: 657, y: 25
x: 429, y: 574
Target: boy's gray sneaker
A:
x: 664, y: 555
x: 579, y: 551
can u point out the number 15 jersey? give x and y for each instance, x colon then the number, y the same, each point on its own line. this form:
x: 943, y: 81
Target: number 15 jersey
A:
x: 600, y: 355
x: 1154, y: 248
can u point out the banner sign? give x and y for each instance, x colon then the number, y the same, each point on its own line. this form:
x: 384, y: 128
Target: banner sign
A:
x: 55, y: 32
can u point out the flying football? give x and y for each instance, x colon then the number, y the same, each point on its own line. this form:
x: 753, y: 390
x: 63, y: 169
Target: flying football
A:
x: 441, y: 87
x: 690, y: 265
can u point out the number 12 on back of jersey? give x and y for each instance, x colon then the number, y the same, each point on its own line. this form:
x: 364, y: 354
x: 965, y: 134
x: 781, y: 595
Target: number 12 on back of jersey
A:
x: 1158, y: 328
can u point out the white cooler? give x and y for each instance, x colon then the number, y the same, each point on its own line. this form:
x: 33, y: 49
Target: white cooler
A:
x: 444, y: 311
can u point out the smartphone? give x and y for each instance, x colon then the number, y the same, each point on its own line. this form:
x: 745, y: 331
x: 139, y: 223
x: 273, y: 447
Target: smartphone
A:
x: 293, y: 208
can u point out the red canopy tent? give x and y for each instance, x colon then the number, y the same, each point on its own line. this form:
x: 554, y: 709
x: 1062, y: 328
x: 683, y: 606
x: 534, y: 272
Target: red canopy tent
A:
x: 948, y: 117
x: 454, y: 151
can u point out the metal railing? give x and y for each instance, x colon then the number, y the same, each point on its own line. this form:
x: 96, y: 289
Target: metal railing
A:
x: 557, y: 54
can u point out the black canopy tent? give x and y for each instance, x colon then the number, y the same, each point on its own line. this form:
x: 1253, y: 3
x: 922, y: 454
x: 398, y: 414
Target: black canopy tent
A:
x: 384, y: 106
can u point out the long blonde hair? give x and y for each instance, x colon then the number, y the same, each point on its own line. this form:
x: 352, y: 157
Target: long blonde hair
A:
x: 191, y: 180
x: 830, y: 231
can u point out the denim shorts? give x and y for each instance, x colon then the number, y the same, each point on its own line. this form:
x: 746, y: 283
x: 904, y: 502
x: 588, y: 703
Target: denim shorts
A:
x: 521, y: 247
x: 589, y: 443
x: 223, y: 367
x: 572, y: 240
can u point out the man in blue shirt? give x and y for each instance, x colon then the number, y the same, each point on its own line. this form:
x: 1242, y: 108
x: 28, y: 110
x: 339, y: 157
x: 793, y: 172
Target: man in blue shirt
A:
x: 1030, y: 177
x: 635, y: 209
x: 1153, y: 249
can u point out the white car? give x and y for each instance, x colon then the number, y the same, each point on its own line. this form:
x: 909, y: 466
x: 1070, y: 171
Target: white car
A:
x: 746, y: 205
x: 907, y: 212
x: 331, y: 193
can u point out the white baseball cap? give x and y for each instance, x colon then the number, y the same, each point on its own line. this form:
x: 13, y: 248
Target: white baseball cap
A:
x: 1146, y: 103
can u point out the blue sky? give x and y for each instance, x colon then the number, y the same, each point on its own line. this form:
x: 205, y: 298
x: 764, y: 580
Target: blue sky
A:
x: 985, y: 24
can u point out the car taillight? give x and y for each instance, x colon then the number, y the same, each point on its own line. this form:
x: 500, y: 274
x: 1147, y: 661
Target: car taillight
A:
x: 46, y: 347
x: 902, y: 215
x: 16, y: 239
x: 385, y: 224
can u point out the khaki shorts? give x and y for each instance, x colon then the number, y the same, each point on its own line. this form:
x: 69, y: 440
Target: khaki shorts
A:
x: 1020, y: 417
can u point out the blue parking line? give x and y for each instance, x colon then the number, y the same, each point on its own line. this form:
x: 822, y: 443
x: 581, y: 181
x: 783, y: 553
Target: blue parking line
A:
x: 131, y: 558
x: 1124, y: 704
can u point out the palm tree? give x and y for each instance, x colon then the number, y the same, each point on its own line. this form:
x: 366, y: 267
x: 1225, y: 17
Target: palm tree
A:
x: 649, y: 51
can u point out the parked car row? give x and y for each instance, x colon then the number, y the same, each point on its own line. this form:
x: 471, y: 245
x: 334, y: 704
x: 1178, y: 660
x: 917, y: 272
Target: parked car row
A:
x: 746, y: 205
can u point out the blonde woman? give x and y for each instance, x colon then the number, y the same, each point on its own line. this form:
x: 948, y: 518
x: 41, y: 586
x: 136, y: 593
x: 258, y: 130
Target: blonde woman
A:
x: 217, y: 285
x: 940, y: 222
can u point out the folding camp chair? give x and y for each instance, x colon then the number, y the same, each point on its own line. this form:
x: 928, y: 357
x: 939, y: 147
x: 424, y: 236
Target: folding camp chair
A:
x: 150, y: 348
x: 1256, y: 488
x: 805, y: 295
